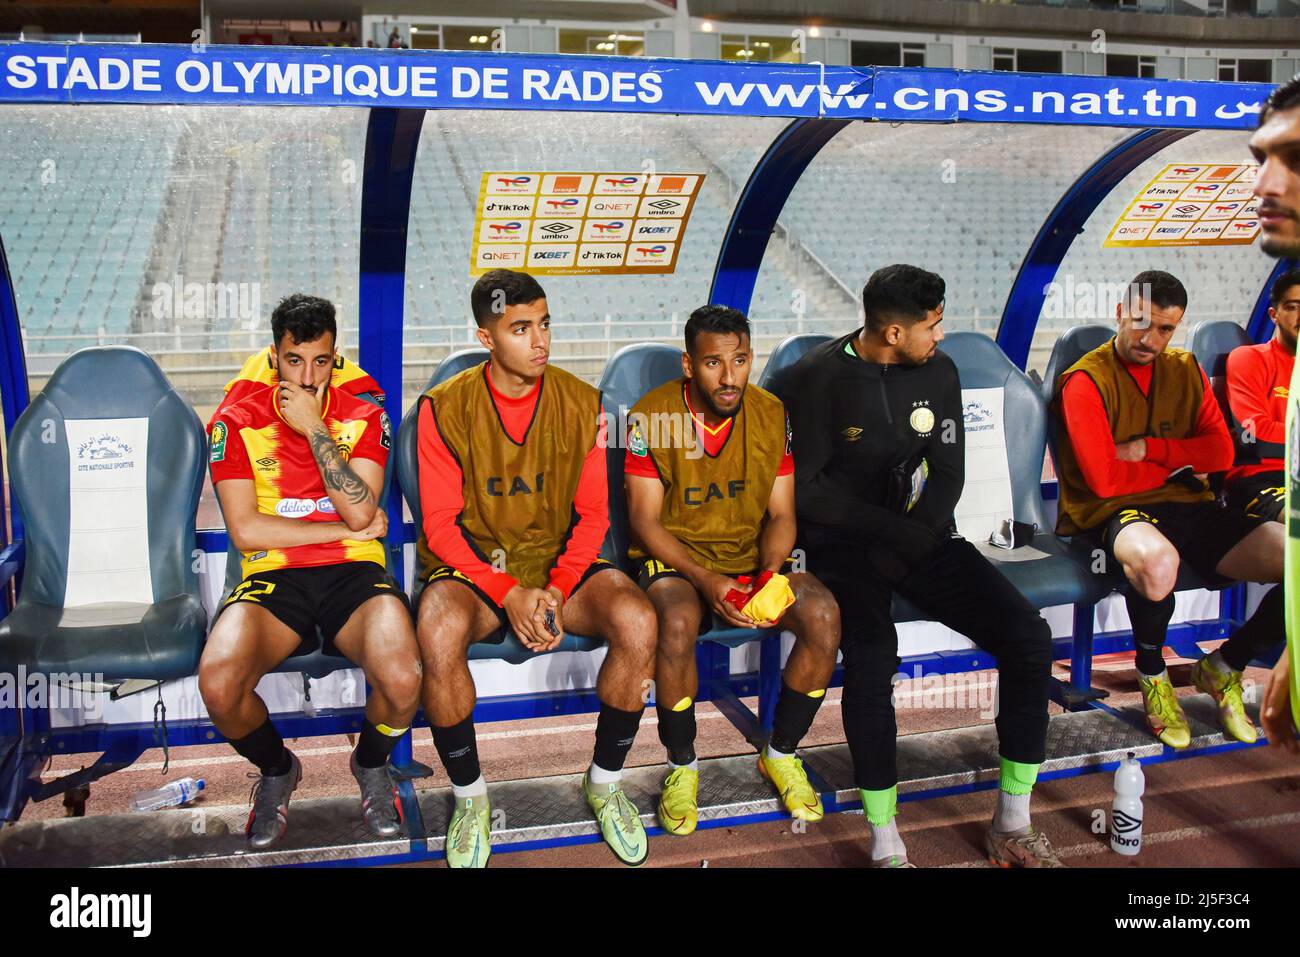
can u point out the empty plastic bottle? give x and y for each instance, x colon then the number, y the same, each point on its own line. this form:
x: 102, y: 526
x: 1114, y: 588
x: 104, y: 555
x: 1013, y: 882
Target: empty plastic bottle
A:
x: 171, y: 794
x: 1126, y: 812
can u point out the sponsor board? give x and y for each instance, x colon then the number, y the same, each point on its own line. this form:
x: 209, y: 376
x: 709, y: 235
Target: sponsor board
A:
x: 582, y: 223
x: 1191, y: 204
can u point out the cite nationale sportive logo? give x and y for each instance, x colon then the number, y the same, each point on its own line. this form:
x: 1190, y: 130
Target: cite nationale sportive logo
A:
x: 104, y: 453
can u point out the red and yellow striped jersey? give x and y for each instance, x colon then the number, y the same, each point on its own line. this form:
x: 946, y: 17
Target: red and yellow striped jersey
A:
x: 257, y: 374
x: 250, y: 440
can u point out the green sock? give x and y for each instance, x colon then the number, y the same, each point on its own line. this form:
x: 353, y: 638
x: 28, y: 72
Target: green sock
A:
x: 1017, y: 778
x: 880, y: 806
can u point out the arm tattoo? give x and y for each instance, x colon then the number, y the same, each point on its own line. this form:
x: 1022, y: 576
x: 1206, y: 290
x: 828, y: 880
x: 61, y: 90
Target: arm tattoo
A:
x: 338, y: 475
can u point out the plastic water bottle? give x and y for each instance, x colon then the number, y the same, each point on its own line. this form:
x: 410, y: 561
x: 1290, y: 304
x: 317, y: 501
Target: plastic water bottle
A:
x: 171, y: 794
x: 1126, y: 813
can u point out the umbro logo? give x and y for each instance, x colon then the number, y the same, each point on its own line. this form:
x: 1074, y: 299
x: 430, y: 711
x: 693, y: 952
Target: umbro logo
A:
x: 852, y: 433
x: 555, y: 228
x: 266, y: 462
x: 665, y: 204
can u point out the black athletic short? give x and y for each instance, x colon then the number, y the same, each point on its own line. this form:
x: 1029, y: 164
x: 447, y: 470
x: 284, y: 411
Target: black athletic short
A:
x: 318, y: 597
x: 1201, y: 532
x: 443, y: 572
x: 1258, y: 494
x: 650, y: 570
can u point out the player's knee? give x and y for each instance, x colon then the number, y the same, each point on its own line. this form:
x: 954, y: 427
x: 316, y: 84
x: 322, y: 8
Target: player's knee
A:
x: 820, y: 616
x: 398, y: 679
x: 1154, y: 572
x: 678, y: 631
x: 636, y: 625
x: 222, y: 685
x: 1031, y: 649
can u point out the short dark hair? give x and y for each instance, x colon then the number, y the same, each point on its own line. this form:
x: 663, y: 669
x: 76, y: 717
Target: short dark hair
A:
x: 518, y: 288
x: 1159, y: 289
x: 305, y: 318
x: 717, y: 319
x: 1283, y: 282
x: 900, y: 293
x: 1284, y: 97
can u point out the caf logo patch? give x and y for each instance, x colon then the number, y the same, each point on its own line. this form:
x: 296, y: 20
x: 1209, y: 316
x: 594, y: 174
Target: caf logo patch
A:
x: 636, y: 442
x: 922, y: 420
x: 218, y: 453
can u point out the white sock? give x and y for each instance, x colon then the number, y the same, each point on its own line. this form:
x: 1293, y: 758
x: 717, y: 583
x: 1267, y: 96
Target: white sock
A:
x: 476, y: 789
x: 1215, y: 661
x: 694, y: 765
x: 776, y: 755
x: 598, y: 775
x: 1012, y: 813
x: 886, y: 842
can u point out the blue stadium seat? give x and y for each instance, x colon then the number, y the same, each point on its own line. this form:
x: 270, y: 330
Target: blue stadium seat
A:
x: 106, y: 466
x: 1059, y: 577
x: 1073, y: 345
x: 787, y: 353
x: 1211, y: 342
x: 408, y: 473
x: 629, y: 374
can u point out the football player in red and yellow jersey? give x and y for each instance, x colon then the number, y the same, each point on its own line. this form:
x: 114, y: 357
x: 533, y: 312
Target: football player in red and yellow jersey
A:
x: 299, y: 471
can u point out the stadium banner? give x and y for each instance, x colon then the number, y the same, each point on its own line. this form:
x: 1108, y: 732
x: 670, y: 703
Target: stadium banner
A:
x: 1192, y: 204
x: 333, y: 76
x: 581, y: 223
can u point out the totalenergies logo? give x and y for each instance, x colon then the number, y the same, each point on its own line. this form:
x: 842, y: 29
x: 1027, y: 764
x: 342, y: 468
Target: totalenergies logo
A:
x: 561, y: 203
x: 622, y: 180
x: 504, y: 228
x: 603, y: 228
x: 1248, y: 224
x: 514, y: 180
x: 652, y: 250
x: 1206, y: 188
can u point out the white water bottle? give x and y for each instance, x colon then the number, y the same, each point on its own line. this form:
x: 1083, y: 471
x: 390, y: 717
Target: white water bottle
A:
x: 1126, y: 813
x: 171, y: 794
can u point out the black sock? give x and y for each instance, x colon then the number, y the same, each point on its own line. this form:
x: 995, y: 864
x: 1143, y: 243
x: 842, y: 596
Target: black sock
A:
x: 458, y: 749
x: 1150, y: 621
x: 265, y: 748
x: 794, y: 716
x: 615, y: 732
x: 374, y: 747
x: 677, y: 733
x: 1262, y: 631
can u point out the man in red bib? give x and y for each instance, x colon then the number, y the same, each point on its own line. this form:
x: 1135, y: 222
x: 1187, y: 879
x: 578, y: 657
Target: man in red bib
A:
x: 1259, y: 378
x: 299, y: 471
x: 513, y: 488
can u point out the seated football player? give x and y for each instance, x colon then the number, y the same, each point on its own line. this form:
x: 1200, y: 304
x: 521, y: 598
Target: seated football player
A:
x: 1259, y: 378
x: 299, y: 471
x: 710, y: 487
x: 1139, y: 429
x: 513, y: 488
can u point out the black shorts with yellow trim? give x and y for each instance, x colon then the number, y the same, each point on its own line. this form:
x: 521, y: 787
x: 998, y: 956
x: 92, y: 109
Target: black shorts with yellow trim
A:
x: 445, y: 572
x: 1201, y: 532
x: 319, y: 597
x: 651, y: 570
x: 1261, y: 495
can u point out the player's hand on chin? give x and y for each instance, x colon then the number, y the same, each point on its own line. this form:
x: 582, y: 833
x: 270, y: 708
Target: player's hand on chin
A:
x: 525, y: 609
x: 298, y: 407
